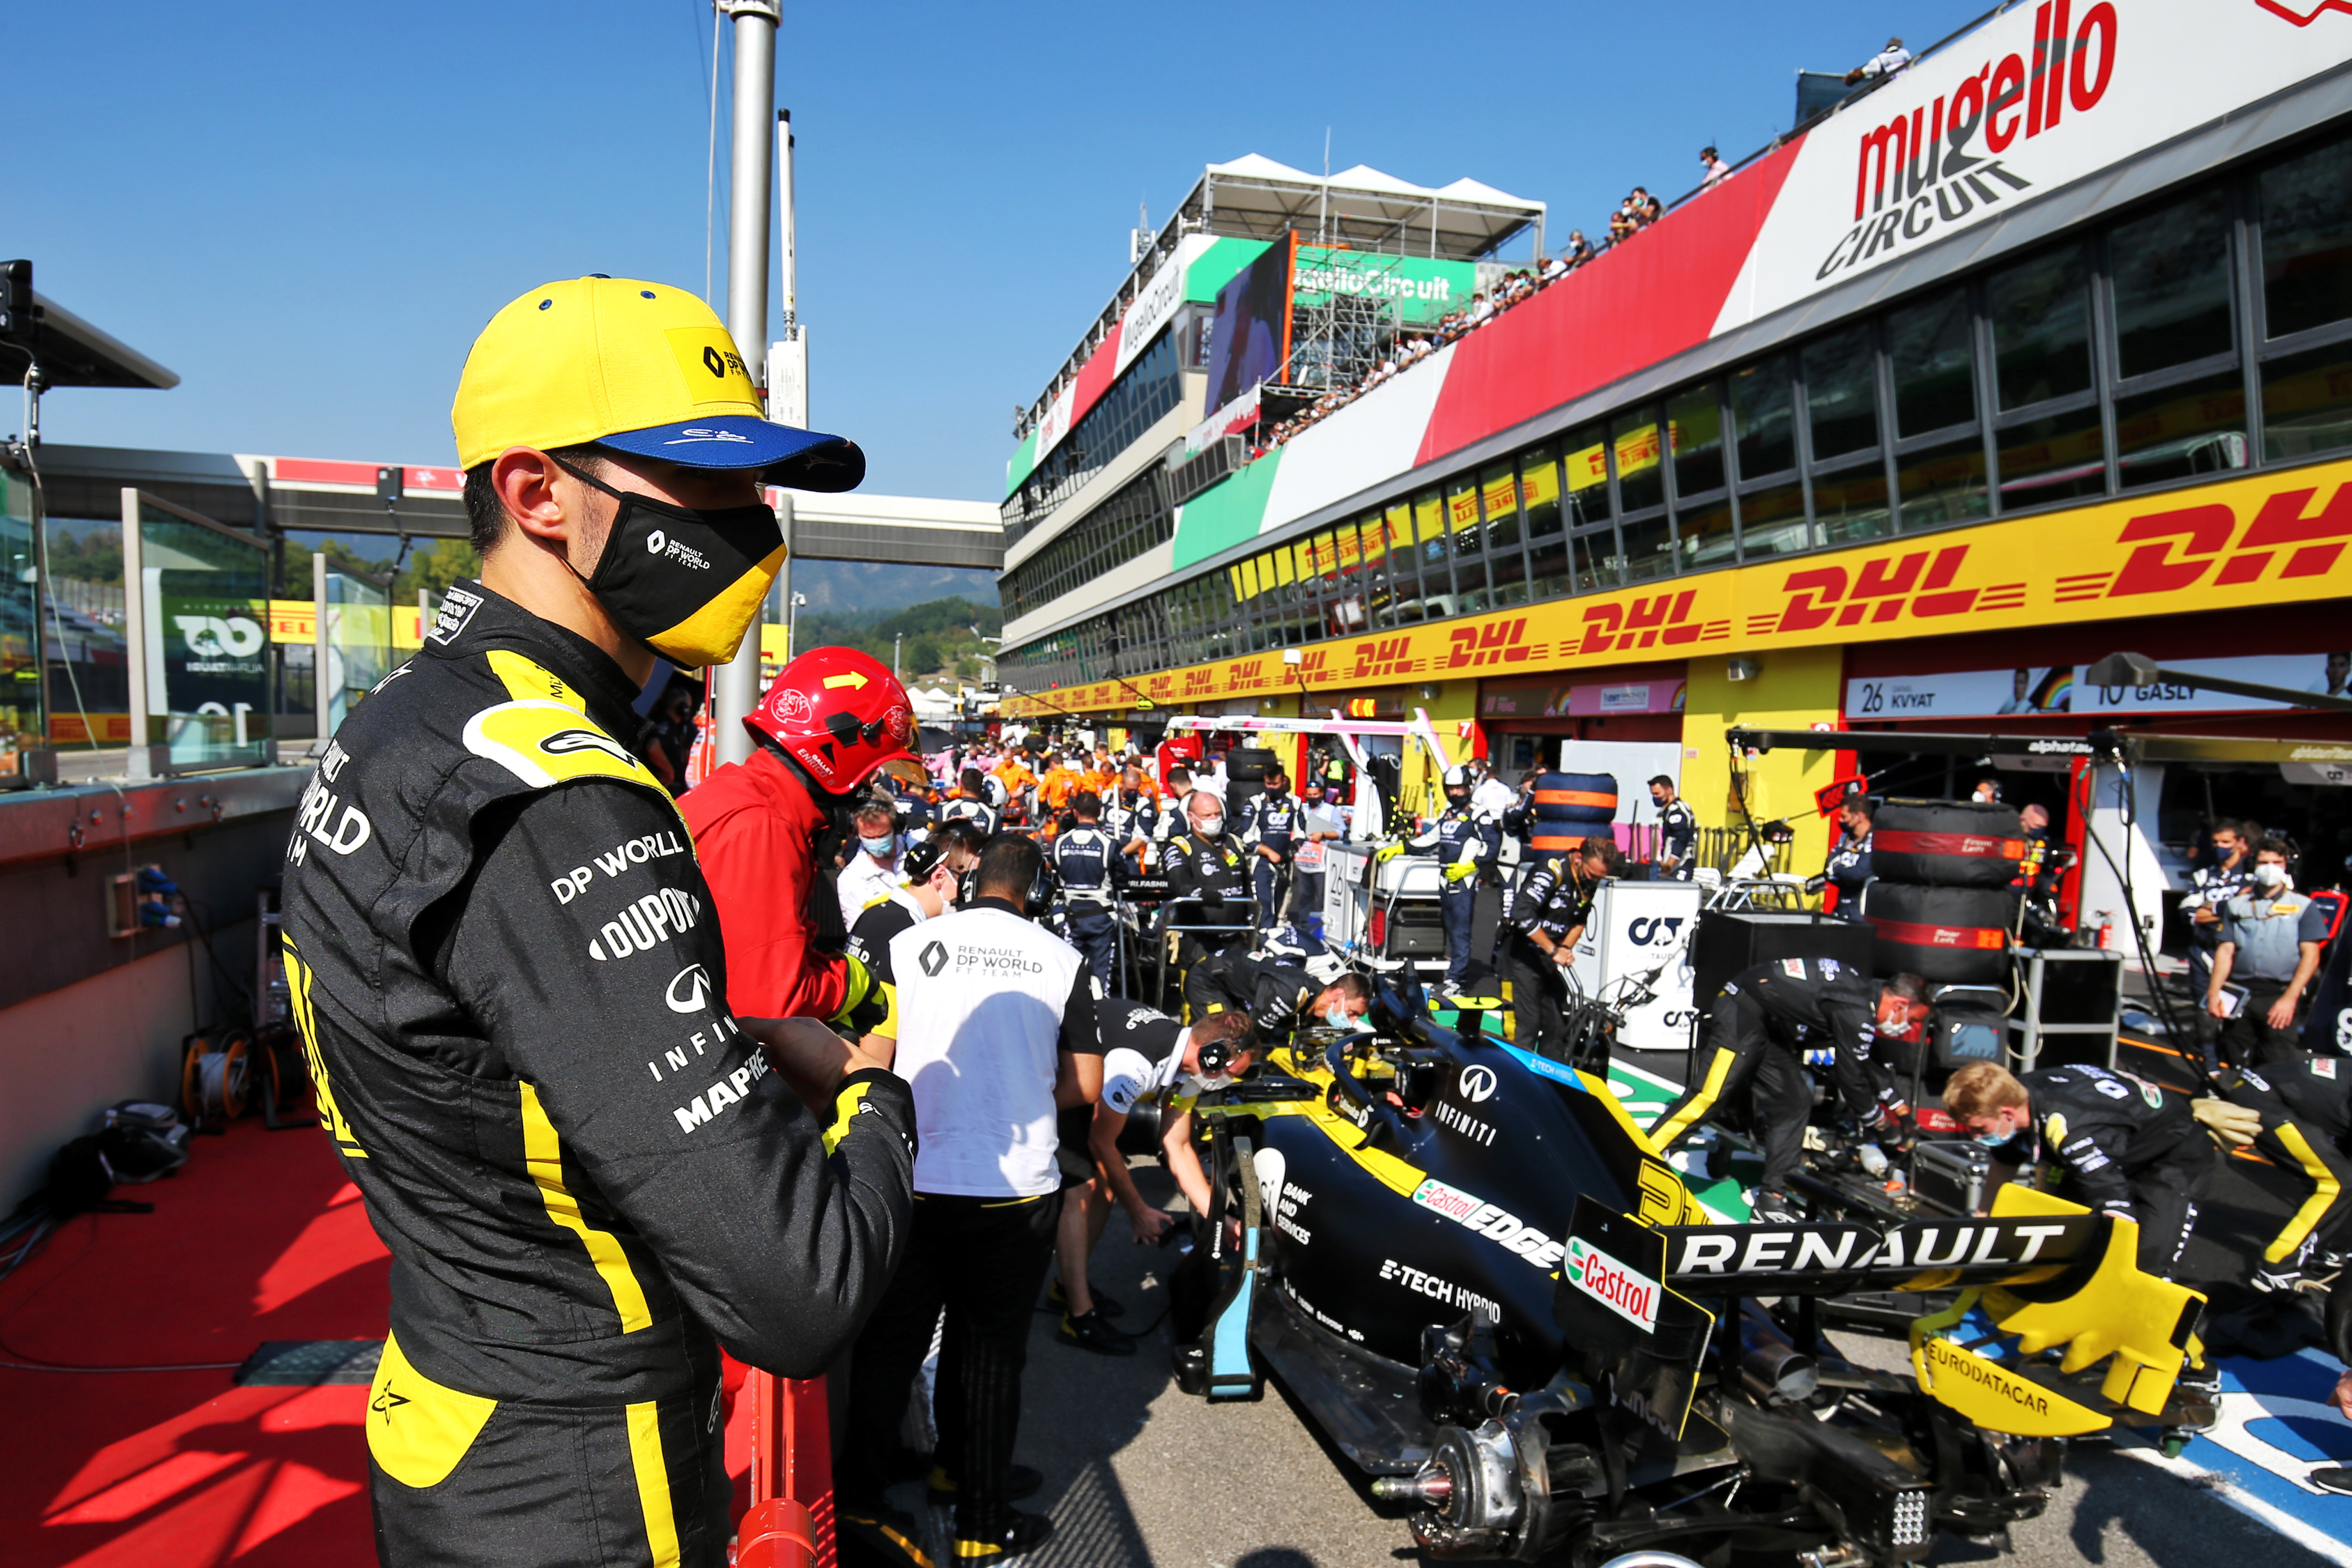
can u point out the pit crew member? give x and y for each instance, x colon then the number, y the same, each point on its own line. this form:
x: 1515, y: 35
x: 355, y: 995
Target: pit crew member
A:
x: 1208, y: 883
x: 1279, y: 996
x: 2306, y: 1111
x: 1759, y: 1028
x: 1547, y: 920
x: 1269, y: 825
x: 1467, y: 844
x: 1088, y: 864
x: 1132, y: 816
x: 511, y: 986
x: 2116, y: 1143
x: 873, y: 870
x: 1677, y: 830
x: 2270, y: 941
x: 995, y: 1028
x: 1849, y: 866
x: 971, y: 802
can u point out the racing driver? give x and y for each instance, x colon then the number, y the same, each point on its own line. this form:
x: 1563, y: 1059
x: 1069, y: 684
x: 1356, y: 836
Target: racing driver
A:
x: 511, y: 987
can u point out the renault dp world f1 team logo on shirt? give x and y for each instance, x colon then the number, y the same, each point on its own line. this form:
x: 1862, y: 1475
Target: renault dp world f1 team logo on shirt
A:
x: 1632, y: 1297
x: 934, y: 958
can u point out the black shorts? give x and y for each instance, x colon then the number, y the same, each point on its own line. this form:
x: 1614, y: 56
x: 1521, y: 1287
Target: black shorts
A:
x: 1073, y: 1122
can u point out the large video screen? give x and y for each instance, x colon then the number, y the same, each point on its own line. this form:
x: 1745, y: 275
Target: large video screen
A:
x: 1249, y: 338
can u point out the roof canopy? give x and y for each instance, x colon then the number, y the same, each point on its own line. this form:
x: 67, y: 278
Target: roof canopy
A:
x: 1363, y: 208
x: 76, y: 353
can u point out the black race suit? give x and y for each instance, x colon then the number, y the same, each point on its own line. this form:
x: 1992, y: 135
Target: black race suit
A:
x: 2307, y: 1110
x: 1761, y: 1025
x: 1275, y: 995
x: 1555, y: 902
x: 2126, y: 1147
x: 1209, y: 884
x: 511, y: 991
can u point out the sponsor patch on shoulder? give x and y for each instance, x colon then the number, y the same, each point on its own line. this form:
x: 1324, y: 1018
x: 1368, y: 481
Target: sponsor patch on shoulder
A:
x: 2323, y: 1067
x: 1794, y: 968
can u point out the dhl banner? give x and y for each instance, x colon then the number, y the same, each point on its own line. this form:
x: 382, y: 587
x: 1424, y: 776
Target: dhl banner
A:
x: 2276, y: 538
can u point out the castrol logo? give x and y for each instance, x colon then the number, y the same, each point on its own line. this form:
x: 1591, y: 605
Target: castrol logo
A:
x: 1632, y: 1296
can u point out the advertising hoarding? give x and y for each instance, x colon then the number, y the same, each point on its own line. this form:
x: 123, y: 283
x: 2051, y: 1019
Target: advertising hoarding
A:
x: 1249, y: 340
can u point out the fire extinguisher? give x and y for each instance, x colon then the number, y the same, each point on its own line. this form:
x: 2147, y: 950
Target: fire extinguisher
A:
x: 2106, y: 930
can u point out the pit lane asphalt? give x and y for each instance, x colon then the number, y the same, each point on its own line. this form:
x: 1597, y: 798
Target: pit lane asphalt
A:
x: 1138, y: 1473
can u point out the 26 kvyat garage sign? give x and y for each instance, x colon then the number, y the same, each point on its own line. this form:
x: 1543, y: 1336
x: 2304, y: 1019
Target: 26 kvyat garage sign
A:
x: 2273, y: 540
x: 2036, y: 99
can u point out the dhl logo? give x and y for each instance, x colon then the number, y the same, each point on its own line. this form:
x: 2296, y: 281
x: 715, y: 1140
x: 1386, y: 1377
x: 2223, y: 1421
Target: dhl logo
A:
x: 1384, y: 656
x: 1199, y: 680
x: 1311, y: 666
x: 2174, y: 550
x: 1883, y: 588
x: 1499, y: 642
x: 1244, y: 673
x: 1647, y: 622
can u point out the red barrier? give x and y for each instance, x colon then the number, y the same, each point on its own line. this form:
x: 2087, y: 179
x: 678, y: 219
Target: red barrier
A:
x: 789, y: 1524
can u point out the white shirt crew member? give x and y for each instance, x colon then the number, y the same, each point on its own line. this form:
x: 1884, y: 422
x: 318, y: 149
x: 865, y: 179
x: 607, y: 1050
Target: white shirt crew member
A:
x: 862, y: 881
x: 986, y: 1002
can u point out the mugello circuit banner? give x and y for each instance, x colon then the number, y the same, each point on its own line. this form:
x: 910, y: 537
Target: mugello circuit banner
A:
x: 2034, y: 102
x: 2275, y: 539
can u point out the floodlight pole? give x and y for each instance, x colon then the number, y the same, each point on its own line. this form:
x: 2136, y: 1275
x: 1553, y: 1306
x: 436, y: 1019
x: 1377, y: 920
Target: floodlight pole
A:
x: 735, y: 685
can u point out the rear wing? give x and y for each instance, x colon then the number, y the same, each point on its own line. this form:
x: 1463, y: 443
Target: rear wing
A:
x: 2038, y: 1275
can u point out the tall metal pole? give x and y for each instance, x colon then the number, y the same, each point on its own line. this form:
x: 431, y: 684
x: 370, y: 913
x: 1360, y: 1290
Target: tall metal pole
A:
x: 787, y: 363
x: 735, y: 686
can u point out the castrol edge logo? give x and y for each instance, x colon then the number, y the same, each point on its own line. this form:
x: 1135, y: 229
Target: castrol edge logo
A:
x: 1632, y: 1297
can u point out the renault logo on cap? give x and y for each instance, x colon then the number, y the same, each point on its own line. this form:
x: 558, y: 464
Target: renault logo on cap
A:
x: 934, y: 959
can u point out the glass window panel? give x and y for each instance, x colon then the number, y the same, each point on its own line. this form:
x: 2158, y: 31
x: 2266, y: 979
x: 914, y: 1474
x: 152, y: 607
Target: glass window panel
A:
x: 1539, y: 494
x: 1462, y: 516
x: 1943, y: 484
x: 1506, y: 576
x: 1842, y: 392
x: 2307, y: 403
x: 1649, y: 549
x: 1596, y: 560
x: 1498, y: 499
x: 1695, y: 419
x: 1707, y: 538
x: 2040, y: 328
x: 1933, y: 364
x: 2306, y: 217
x: 1851, y: 506
x: 1763, y: 413
x: 1584, y: 469
x: 2171, y: 276
x: 1470, y: 589
x: 1547, y: 566
x: 2053, y: 459
x: 1772, y: 521
x: 2198, y: 428
x: 1640, y: 479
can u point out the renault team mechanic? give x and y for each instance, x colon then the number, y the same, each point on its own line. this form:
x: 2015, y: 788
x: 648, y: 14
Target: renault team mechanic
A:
x: 511, y: 986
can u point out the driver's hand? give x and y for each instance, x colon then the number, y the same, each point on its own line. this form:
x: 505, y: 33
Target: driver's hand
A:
x: 1150, y: 1224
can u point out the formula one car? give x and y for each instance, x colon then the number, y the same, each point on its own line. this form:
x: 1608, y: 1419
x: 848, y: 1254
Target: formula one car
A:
x: 1473, y: 1272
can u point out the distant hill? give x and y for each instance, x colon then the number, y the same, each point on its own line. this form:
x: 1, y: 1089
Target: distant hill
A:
x: 856, y: 587
x: 941, y: 638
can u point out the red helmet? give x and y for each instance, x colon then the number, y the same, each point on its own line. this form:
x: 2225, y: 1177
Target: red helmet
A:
x: 841, y: 716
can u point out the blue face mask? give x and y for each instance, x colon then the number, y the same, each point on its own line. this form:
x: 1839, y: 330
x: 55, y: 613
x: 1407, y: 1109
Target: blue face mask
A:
x: 880, y: 848
x: 1336, y: 1015
x: 1996, y: 1140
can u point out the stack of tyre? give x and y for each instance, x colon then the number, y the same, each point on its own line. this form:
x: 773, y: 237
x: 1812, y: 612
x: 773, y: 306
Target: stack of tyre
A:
x: 1245, y: 770
x: 1940, y: 899
x: 1570, y: 807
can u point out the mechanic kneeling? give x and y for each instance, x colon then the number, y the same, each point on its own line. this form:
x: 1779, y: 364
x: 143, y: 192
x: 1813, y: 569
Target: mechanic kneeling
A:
x: 1155, y: 1066
x: 2122, y: 1144
x: 2306, y: 1127
x: 1761, y: 1025
x: 1280, y: 996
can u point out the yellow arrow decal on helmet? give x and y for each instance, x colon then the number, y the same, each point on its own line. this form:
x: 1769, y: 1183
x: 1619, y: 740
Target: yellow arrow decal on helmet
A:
x: 852, y: 678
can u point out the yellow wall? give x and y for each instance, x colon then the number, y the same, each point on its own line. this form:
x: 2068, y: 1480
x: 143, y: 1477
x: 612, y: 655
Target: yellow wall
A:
x: 1793, y: 690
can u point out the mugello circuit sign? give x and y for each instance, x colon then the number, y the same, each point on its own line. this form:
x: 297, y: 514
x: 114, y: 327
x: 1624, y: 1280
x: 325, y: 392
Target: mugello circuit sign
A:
x: 2275, y: 539
x: 2036, y: 99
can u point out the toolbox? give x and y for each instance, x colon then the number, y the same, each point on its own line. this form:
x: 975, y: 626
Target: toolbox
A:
x: 1955, y: 1175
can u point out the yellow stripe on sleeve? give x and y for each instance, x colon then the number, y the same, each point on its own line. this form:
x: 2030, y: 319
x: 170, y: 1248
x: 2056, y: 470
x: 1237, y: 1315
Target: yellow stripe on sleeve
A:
x: 543, y: 1151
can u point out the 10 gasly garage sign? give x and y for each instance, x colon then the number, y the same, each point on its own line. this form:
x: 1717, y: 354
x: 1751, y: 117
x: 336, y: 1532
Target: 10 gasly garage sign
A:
x: 2037, y: 99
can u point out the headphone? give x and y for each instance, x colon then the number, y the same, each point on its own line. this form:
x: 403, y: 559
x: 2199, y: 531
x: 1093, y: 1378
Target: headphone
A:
x: 1215, y: 1055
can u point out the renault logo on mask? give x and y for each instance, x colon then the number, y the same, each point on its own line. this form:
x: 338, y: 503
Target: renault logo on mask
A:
x: 656, y: 541
x: 934, y: 959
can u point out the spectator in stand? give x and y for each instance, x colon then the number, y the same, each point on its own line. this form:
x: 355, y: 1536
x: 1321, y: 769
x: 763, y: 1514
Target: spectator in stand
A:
x: 1718, y: 171
x: 1886, y: 62
x: 1579, y: 251
x: 1646, y: 208
x: 1621, y: 223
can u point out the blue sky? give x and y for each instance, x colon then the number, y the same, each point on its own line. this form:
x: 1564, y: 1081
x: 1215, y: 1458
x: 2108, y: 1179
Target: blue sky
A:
x: 307, y: 211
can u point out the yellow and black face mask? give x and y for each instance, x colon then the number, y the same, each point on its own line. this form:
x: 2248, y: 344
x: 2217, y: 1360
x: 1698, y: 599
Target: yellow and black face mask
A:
x: 687, y: 583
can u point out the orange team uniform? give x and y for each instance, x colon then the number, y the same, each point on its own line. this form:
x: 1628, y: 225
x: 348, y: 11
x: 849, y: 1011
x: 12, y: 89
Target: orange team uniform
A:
x: 1060, y: 785
x: 1016, y: 774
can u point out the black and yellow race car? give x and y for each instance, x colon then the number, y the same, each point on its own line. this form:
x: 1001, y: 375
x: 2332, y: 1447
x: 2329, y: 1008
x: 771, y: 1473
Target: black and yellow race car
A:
x: 1474, y: 1273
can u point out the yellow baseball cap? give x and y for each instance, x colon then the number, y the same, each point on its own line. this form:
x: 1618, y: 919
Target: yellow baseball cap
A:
x: 641, y: 367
